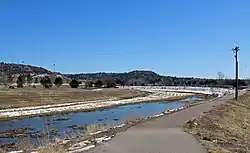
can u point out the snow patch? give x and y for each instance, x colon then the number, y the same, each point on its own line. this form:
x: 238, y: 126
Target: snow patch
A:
x: 95, y: 133
x: 20, y: 151
x: 120, y: 126
x: 82, y: 149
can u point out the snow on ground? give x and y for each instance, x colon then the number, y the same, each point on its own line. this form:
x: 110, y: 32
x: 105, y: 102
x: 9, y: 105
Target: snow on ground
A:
x: 59, y: 108
x: 203, y: 90
x: 158, y: 94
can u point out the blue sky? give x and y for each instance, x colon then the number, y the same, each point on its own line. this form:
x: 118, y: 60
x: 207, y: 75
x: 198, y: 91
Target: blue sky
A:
x: 170, y: 37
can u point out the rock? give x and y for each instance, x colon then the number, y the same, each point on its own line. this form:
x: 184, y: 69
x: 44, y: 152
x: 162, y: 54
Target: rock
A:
x: 206, y: 138
x: 73, y: 126
x: 11, y: 87
x: 53, y: 132
x: 82, y: 127
x: 62, y: 119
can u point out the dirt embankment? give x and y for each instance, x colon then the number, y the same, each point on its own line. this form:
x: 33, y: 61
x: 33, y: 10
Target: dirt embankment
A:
x: 18, y: 113
x: 28, y: 97
x: 224, y: 129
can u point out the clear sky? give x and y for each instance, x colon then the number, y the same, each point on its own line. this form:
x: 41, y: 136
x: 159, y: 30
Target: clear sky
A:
x: 170, y: 37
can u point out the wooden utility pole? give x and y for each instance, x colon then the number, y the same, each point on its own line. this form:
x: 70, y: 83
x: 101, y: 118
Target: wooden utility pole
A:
x: 235, y: 50
x: 23, y: 69
x: 2, y: 67
x: 54, y: 66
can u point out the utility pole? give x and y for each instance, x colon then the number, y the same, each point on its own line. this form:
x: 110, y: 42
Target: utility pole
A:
x: 23, y: 69
x: 235, y: 50
x: 2, y: 67
x: 54, y: 65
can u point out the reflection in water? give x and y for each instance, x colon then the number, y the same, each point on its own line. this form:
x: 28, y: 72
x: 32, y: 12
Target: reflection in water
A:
x: 67, y: 124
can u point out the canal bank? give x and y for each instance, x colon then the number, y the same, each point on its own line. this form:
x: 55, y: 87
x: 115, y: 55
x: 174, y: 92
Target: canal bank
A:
x: 47, y: 110
x: 60, y: 126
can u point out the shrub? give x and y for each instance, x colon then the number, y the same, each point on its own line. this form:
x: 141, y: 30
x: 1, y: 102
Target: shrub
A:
x: 89, y: 84
x: 11, y: 87
x: 20, y: 81
x: 36, y: 80
x: 109, y: 82
x: 29, y: 79
x: 74, y: 84
x: 98, y: 83
x: 10, y: 79
x: 58, y: 81
x: 46, y: 82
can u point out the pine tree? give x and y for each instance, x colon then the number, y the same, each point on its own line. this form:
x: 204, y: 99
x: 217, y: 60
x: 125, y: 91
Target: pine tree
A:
x: 58, y: 81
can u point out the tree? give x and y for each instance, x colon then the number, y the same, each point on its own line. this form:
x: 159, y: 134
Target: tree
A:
x: 248, y: 82
x: 10, y: 79
x: 166, y: 81
x: 109, y: 82
x: 98, y: 83
x: 74, y: 84
x: 221, y: 76
x: 20, y: 81
x: 46, y: 82
x: 119, y: 81
x: 58, y: 81
x: 194, y: 82
x: 29, y: 79
x: 36, y: 80
x: 89, y: 84
x: 212, y: 83
x: 151, y: 81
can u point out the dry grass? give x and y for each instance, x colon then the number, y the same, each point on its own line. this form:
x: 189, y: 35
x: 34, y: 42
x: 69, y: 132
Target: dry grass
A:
x: 224, y: 129
x: 1, y: 151
x: 92, y: 128
x: 35, y: 96
x: 52, y: 148
x: 48, y: 147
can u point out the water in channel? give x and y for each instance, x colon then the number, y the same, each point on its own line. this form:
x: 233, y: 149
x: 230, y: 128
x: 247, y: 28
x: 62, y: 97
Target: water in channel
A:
x: 62, y: 125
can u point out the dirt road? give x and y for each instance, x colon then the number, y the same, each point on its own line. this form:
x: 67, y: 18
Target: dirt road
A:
x: 162, y: 135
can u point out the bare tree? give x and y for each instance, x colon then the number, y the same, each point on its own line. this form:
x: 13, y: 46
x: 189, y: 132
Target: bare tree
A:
x: 221, y: 77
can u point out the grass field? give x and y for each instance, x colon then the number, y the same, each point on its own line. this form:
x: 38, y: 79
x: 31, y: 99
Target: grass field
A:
x: 225, y: 128
x: 10, y: 98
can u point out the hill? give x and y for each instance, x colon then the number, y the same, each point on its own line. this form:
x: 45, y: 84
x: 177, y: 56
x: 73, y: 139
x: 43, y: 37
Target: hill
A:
x: 14, y: 69
x: 150, y: 78
x: 133, y: 77
x: 127, y: 78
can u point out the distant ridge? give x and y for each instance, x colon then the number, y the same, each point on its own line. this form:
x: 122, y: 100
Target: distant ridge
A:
x: 137, y: 77
x: 12, y: 68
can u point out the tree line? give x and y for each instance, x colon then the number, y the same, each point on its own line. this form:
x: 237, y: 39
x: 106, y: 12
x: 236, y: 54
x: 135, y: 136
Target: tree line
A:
x: 133, y: 78
x: 143, y: 78
x: 46, y: 82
